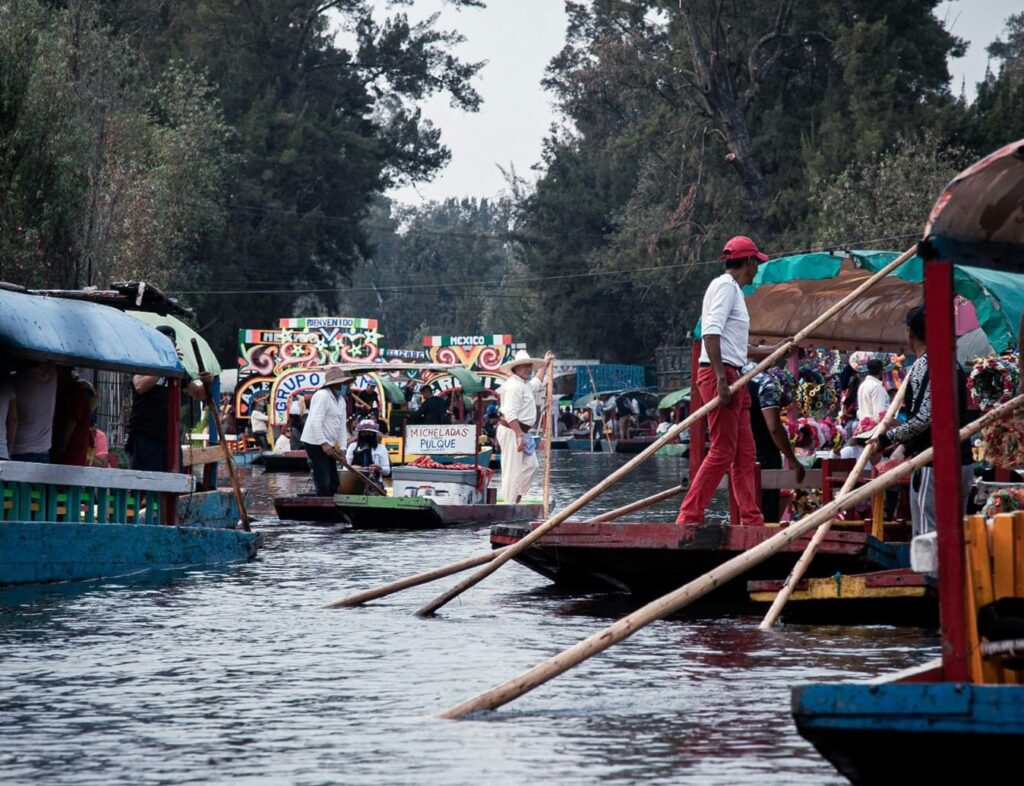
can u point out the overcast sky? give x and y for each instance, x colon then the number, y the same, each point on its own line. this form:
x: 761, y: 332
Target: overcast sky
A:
x: 517, y: 38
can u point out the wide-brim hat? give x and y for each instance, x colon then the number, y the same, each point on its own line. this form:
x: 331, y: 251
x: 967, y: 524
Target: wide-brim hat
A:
x: 368, y: 425
x: 521, y: 358
x: 336, y: 376
x: 864, y: 431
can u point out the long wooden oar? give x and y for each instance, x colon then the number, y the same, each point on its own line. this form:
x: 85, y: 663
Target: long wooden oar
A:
x: 361, y: 475
x: 480, y: 559
x: 666, y: 438
x: 215, y: 411
x: 804, y: 562
x: 695, y: 589
x: 547, y: 436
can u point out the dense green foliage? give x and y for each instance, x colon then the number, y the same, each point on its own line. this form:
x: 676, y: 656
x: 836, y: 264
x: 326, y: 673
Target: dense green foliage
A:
x: 236, y: 152
x: 226, y: 150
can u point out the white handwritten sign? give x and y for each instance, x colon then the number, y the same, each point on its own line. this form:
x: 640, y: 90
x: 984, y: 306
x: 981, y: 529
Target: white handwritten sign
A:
x: 447, y: 440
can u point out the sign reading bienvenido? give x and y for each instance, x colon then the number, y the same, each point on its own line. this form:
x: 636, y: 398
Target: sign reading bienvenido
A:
x: 453, y: 439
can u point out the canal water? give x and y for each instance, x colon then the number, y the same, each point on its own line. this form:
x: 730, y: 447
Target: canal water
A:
x: 240, y: 676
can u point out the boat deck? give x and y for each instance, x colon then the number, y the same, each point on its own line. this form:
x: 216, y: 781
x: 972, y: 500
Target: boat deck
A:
x: 644, y: 557
x: 363, y: 512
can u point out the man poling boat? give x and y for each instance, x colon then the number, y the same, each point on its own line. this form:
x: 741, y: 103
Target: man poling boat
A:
x: 325, y: 428
x: 518, y: 415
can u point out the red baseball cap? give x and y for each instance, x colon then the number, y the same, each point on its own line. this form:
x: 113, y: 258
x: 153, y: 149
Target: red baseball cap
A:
x: 741, y: 247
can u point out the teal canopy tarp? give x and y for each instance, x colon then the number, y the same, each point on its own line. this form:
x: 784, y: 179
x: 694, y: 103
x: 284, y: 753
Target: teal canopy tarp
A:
x: 997, y: 297
x: 674, y: 398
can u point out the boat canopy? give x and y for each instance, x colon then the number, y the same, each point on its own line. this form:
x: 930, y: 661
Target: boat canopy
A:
x: 788, y: 293
x: 979, y: 218
x: 183, y: 339
x: 470, y: 382
x: 77, y: 333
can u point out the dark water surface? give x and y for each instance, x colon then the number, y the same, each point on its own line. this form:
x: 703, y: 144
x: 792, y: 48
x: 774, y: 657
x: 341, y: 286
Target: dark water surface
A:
x: 240, y: 676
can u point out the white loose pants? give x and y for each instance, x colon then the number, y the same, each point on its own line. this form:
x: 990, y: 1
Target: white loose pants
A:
x: 517, y: 469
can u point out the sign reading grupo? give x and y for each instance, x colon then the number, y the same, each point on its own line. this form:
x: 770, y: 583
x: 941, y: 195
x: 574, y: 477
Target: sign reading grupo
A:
x: 446, y: 440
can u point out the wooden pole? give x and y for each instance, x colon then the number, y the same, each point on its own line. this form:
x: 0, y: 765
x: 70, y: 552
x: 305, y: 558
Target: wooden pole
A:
x: 677, y: 599
x: 548, y: 430
x: 362, y: 476
x: 593, y: 392
x: 480, y: 559
x: 414, y: 581
x: 646, y: 502
x: 215, y: 410
x: 666, y: 438
x: 802, y: 564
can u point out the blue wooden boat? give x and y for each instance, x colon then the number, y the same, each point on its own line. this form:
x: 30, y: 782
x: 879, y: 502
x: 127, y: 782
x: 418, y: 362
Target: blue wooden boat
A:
x: 962, y: 716
x: 69, y: 523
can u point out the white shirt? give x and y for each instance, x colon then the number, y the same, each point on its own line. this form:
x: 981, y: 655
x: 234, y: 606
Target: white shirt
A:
x: 36, y: 389
x: 297, y: 405
x: 724, y: 314
x: 259, y: 422
x: 326, y: 421
x: 518, y: 400
x: 380, y: 458
x: 282, y: 444
x: 872, y: 400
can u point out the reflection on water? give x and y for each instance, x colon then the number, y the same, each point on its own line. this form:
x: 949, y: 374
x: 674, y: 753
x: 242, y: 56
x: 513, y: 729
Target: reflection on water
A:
x: 239, y: 675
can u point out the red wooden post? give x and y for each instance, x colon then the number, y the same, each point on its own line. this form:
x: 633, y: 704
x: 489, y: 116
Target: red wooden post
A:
x: 938, y: 293
x: 699, y: 429
x: 170, y: 501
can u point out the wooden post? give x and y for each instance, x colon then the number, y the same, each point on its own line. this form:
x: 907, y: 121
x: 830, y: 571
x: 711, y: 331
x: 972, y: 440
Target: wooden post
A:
x: 938, y: 297
x: 666, y: 438
x: 804, y: 562
x: 548, y: 433
x: 674, y: 601
x: 169, y: 502
x: 224, y: 444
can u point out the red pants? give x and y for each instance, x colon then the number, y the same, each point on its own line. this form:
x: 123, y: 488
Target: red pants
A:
x: 732, y: 451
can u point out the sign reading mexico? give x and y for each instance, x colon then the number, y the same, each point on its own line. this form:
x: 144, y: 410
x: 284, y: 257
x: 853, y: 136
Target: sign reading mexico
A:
x: 445, y: 440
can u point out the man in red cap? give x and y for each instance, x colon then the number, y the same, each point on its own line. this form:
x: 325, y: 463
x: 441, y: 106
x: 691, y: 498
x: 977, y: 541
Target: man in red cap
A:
x: 725, y: 327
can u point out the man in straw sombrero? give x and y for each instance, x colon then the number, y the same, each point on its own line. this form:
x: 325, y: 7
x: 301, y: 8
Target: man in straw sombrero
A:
x: 325, y: 430
x: 517, y: 415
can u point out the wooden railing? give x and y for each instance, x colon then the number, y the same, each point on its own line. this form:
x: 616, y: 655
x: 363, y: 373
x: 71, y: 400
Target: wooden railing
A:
x: 995, y: 570
x: 55, y: 492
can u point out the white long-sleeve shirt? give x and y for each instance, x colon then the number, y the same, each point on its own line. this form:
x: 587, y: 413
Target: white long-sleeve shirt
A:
x: 724, y: 314
x: 519, y: 400
x: 326, y: 420
x: 259, y: 422
x: 380, y: 458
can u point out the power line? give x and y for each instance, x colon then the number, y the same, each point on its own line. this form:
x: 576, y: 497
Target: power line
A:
x: 514, y: 283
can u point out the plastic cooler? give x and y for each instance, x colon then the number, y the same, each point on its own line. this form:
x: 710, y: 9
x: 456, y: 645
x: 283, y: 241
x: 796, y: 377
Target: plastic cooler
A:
x: 451, y: 486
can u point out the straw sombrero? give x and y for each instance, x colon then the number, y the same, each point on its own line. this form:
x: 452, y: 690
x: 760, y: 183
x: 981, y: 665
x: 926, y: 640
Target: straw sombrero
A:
x: 335, y: 376
x: 521, y: 358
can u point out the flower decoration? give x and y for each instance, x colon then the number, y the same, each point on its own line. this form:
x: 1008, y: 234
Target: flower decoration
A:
x: 1003, y: 501
x: 786, y: 381
x: 805, y: 502
x: 993, y: 381
x: 1004, y: 443
x: 816, y: 397
x: 811, y: 434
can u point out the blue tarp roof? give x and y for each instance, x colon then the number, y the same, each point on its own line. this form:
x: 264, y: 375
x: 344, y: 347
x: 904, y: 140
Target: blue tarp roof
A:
x: 76, y: 333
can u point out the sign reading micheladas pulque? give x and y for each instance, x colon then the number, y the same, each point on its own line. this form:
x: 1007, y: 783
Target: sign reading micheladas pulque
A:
x: 452, y: 439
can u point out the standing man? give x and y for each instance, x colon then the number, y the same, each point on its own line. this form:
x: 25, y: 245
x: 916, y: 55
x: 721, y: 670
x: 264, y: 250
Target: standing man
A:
x: 296, y: 419
x: 771, y: 441
x: 147, y: 423
x: 325, y: 431
x: 916, y: 434
x: 725, y: 329
x: 872, y: 398
x: 519, y: 394
x: 434, y: 409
